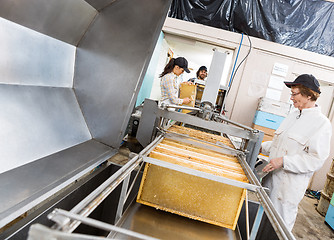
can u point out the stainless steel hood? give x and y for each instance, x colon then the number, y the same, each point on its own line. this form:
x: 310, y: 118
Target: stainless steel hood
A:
x: 70, y: 72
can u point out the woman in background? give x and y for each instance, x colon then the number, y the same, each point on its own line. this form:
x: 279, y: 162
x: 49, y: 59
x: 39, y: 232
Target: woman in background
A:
x: 169, y: 86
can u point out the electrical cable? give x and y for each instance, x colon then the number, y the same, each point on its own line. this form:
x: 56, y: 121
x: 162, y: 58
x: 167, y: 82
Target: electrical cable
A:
x: 236, y: 59
x: 234, y: 73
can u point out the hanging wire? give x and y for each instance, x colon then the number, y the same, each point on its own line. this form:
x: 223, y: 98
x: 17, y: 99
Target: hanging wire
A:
x: 236, y: 59
x: 234, y: 72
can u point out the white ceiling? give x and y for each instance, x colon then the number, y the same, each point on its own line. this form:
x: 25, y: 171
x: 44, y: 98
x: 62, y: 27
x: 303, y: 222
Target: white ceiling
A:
x: 197, y: 53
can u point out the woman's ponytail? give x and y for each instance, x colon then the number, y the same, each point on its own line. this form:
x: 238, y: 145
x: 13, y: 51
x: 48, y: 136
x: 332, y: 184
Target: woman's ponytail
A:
x: 168, y: 68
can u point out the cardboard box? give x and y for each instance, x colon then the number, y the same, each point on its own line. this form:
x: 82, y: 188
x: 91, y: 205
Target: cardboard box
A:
x: 268, y: 132
x: 189, y: 91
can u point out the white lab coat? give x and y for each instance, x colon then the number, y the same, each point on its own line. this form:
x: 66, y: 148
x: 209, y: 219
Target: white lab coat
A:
x: 303, y: 140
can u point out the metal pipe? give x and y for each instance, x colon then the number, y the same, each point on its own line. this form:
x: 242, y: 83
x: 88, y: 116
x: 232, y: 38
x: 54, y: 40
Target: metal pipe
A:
x: 273, y: 216
x: 256, y: 223
x: 201, y: 174
x: 122, y: 198
x: 180, y: 107
x: 211, y: 125
x: 236, y: 124
x: 247, y: 216
x: 248, y: 171
x: 98, y: 224
x: 133, y: 182
x: 276, y: 220
x: 87, y: 205
x: 198, y: 142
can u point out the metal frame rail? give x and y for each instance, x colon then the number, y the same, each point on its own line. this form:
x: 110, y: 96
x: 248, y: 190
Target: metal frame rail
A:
x: 152, y: 115
x: 255, y: 185
x: 67, y: 222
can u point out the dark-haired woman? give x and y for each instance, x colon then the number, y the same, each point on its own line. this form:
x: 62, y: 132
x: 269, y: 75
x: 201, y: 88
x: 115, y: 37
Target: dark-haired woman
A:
x: 169, y: 86
x: 300, y: 147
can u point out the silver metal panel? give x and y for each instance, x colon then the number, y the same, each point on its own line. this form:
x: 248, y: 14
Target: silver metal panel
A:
x: 36, y: 122
x: 111, y: 62
x: 100, y: 4
x: 62, y: 19
x: 31, y: 58
x: 147, y: 122
x: 163, y: 225
x: 211, y: 125
x: 214, y: 76
x: 253, y: 147
x: 26, y: 186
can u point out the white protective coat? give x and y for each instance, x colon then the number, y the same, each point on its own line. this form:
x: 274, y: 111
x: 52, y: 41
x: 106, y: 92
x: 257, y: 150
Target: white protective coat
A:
x: 303, y: 140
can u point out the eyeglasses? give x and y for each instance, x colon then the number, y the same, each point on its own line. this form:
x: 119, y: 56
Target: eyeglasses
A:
x: 294, y: 94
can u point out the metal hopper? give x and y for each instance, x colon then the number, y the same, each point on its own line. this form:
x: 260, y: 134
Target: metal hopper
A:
x: 70, y: 72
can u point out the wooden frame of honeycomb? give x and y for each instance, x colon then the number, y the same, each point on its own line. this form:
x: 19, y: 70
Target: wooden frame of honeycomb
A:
x: 192, y: 196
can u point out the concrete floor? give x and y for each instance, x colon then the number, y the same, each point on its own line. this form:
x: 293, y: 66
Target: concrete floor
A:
x: 310, y: 225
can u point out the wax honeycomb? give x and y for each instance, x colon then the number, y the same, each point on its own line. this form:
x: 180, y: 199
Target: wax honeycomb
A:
x: 208, y: 137
x: 191, y: 196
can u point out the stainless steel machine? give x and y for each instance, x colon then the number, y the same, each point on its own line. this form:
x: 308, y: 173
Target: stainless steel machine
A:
x: 70, y: 75
x: 259, y: 219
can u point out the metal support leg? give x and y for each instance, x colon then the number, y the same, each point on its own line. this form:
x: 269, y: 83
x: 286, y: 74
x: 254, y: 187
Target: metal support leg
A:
x: 253, y: 147
x: 122, y: 198
x: 247, y: 215
x: 257, y: 222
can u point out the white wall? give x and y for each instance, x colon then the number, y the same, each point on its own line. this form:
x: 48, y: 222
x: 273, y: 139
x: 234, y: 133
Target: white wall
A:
x: 197, y: 53
x: 252, y: 79
x: 156, y: 93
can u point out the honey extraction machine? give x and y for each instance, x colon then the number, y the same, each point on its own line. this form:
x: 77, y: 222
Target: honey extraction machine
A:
x: 70, y: 76
x: 176, y: 182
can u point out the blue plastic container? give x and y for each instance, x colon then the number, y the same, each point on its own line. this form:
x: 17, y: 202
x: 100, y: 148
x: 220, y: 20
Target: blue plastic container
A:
x: 330, y: 216
x: 267, y: 120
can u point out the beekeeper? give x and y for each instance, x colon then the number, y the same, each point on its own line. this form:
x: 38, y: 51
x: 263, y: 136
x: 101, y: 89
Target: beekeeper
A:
x: 300, y: 146
x: 169, y: 85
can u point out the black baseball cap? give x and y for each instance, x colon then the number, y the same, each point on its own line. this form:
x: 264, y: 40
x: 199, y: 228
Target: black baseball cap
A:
x: 203, y: 68
x: 306, y: 80
x: 182, y: 63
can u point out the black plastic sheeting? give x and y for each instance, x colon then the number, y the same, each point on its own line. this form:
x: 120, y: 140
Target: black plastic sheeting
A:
x: 304, y: 24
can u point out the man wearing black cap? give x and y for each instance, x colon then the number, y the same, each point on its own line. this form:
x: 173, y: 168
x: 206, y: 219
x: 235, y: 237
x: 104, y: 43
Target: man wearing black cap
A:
x: 201, y: 74
x: 299, y: 148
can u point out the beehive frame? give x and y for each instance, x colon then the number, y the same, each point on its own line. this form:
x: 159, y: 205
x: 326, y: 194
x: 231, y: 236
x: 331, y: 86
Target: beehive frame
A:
x: 191, y: 196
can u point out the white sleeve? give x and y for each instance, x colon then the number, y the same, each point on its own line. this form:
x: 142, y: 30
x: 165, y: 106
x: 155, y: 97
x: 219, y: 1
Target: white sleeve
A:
x: 265, y: 147
x: 314, y: 154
